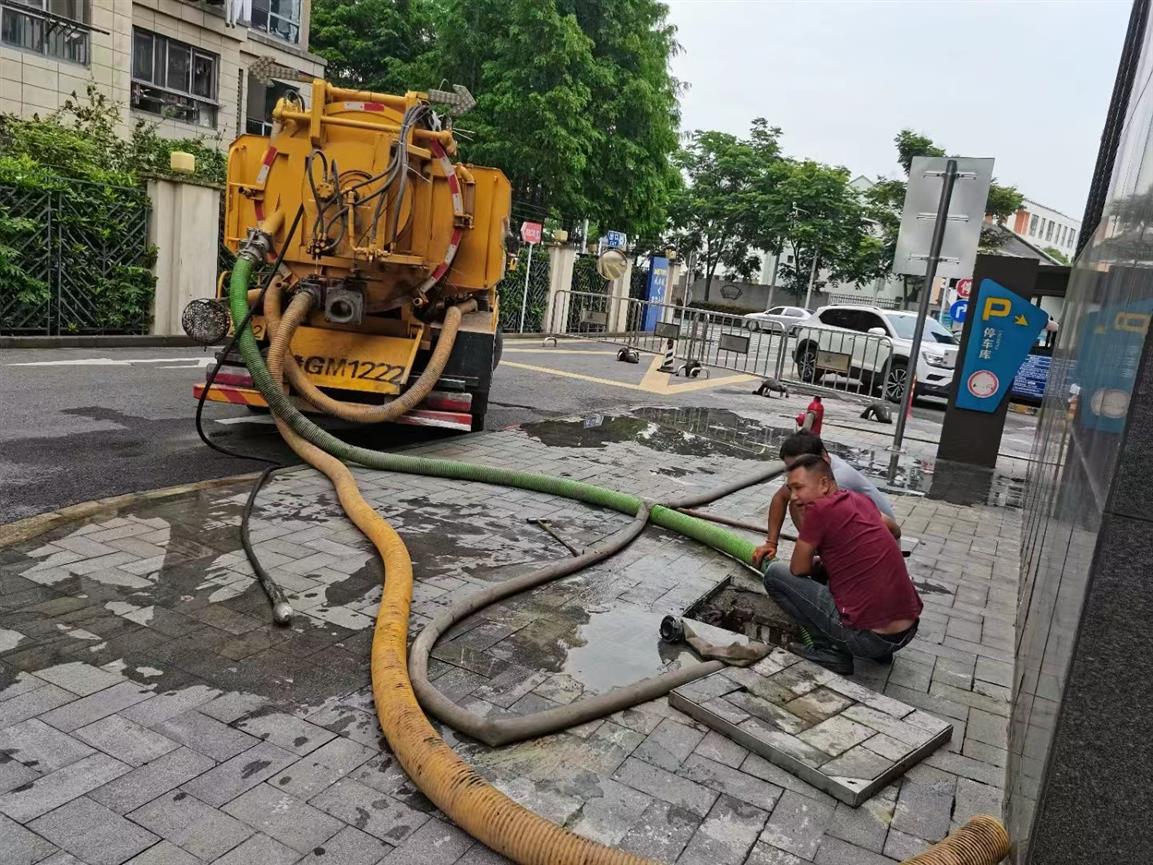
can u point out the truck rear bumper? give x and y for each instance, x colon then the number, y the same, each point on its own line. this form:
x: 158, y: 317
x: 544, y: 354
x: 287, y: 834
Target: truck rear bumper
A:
x: 443, y: 409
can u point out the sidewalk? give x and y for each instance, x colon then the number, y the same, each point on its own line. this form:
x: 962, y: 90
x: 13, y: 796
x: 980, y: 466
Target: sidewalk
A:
x: 151, y: 714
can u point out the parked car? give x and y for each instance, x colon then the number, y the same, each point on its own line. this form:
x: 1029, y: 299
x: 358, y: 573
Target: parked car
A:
x: 853, y: 341
x: 788, y: 317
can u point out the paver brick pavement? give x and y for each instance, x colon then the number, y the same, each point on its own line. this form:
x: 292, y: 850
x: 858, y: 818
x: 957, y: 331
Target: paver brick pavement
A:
x: 142, y: 690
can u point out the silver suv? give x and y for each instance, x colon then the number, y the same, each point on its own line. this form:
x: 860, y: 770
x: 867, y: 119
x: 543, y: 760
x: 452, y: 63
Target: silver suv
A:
x: 854, y: 341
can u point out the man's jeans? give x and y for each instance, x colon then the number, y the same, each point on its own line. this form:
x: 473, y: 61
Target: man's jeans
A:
x: 811, y: 604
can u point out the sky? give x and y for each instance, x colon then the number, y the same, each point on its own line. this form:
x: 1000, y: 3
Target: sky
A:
x: 1026, y: 82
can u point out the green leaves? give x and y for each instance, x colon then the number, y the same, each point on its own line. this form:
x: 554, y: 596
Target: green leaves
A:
x: 574, y: 99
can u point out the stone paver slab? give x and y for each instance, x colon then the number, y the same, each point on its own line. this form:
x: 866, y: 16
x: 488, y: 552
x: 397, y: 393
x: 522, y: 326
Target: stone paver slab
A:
x: 192, y: 825
x: 284, y: 817
x: 55, y: 789
x: 87, y: 829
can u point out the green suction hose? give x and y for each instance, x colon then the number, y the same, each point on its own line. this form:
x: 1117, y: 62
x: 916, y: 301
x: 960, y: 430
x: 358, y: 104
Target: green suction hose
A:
x: 282, y: 406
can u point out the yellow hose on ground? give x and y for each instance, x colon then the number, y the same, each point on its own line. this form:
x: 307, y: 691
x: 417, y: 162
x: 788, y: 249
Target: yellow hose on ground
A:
x: 453, y: 786
x: 981, y: 841
x: 357, y: 412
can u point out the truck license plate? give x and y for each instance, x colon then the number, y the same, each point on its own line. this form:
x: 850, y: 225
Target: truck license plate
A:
x: 354, y: 361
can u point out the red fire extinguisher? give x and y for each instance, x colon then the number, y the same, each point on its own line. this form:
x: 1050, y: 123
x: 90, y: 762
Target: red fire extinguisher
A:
x: 818, y: 412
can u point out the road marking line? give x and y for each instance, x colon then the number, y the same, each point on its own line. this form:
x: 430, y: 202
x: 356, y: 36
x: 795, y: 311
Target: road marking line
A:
x: 107, y: 361
x: 259, y: 419
x: 653, y: 382
x: 555, y: 351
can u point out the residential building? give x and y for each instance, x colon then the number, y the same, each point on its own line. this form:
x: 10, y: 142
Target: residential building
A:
x: 1045, y: 227
x: 180, y: 64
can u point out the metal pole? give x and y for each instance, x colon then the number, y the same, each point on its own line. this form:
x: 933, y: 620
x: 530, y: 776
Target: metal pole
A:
x: 812, y: 276
x: 524, y: 294
x: 773, y: 275
x: 949, y: 178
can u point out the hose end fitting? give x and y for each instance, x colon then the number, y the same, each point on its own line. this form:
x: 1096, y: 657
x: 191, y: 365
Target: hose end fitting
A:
x: 257, y: 245
x: 282, y: 613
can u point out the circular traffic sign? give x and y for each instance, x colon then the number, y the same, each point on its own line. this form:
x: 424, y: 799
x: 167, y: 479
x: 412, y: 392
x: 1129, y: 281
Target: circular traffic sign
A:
x: 959, y: 310
x: 983, y: 384
x: 964, y: 286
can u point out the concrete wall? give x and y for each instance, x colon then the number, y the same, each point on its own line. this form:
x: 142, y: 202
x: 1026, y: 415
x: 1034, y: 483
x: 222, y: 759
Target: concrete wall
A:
x: 182, y: 225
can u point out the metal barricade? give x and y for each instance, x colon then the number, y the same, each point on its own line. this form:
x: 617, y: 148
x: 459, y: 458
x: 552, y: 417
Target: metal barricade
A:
x: 843, y: 362
x: 726, y: 341
x: 694, y: 340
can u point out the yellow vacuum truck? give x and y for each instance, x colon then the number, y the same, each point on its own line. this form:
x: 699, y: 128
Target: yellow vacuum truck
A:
x: 400, y: 246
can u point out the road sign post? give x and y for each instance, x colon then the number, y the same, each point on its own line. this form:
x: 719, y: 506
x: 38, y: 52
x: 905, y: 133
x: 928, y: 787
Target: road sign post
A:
x: 530, y: 233
x: 950, y: 253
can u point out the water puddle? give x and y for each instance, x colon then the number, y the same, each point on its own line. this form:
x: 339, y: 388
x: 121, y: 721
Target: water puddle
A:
x: 617, y: 647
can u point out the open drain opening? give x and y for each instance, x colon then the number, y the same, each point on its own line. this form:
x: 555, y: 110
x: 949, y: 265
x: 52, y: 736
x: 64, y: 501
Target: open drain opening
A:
x: 739, y: 604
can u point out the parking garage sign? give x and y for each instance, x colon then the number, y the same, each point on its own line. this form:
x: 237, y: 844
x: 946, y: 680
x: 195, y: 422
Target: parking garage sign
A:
x: 1005, y: 327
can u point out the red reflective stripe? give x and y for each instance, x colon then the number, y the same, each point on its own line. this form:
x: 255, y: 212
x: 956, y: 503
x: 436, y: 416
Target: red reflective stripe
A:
x: 258, y: 206
x: 269, y: 155
x: 373, y: 106
x: 453, y: 184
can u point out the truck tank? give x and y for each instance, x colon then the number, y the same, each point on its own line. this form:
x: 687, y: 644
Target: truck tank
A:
x: 370, y: 211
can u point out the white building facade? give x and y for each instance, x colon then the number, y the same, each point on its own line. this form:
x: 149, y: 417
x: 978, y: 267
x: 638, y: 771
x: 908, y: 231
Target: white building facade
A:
x: 179, y: 64
x: 1045, y: 227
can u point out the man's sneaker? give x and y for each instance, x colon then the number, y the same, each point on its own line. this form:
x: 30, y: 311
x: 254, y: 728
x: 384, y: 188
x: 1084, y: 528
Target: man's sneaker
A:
x: 830, y: 659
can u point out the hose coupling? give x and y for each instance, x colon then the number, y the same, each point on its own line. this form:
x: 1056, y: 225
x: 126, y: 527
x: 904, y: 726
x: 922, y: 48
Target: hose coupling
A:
x: 257, y: 246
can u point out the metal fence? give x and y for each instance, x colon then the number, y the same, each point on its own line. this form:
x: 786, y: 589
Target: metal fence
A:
x: 692, y: 341
x: 524, y: 294
x: 74, y: 261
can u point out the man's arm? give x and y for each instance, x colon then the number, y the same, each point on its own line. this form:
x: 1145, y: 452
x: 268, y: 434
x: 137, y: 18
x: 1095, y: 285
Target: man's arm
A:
x: 778, y: 507
x: 891, y: 525
x: 801, y: 564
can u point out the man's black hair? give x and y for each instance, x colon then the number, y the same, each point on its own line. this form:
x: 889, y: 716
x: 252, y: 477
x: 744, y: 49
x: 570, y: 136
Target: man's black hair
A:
x: 815, y: 464
x: 802, y: 444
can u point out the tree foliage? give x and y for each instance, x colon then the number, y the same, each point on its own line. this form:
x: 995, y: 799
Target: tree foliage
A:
x: 574, y: 98
x: 94, y: 180
x: 715, y: 214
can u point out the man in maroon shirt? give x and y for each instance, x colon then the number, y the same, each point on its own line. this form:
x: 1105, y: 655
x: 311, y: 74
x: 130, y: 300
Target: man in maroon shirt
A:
x: 870, y: 608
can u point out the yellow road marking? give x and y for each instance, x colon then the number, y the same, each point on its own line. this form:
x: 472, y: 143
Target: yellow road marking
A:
x: 653, y: 382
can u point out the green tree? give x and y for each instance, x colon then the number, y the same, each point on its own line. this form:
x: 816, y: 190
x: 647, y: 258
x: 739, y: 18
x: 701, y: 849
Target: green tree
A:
x: 575, y: 101
x: 829, y: 224
x: 374, y: 44
x: 1054, y: 252
x: 714, y: 215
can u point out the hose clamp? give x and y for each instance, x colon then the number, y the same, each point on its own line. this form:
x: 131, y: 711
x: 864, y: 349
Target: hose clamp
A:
x: 257, y: 245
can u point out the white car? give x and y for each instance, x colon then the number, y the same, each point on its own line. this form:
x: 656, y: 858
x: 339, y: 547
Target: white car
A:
x: 853, y: 341
x: 788, y: 317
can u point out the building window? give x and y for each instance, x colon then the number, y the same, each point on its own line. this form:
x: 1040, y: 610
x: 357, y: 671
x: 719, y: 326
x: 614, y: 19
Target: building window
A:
x: 279, y: 18
x: 262, y: 98
x: 174, y: 79
x: 54, y: 28
x: 1033, y: 225
x: 1049, y: 231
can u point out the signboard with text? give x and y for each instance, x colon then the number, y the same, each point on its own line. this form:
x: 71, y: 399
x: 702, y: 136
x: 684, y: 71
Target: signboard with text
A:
x: 530, y: 232
x: 1003, y: 331
x: 615, y: 239
x: 1030, y: 380
x: 657, y: 290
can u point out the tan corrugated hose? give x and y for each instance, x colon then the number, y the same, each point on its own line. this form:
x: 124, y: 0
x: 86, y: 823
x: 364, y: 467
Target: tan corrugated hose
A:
x: 451, y: 784
x: 358, y: 412
x: 981, y: 841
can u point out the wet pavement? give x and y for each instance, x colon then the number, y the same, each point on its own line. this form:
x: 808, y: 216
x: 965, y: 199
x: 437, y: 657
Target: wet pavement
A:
x: 145, y: 698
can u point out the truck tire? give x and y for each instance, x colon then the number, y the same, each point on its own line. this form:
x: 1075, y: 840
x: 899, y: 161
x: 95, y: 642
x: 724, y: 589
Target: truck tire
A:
x: 497, y: 349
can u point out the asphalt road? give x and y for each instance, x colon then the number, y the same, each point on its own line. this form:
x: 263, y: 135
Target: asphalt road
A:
x: 81, y: 424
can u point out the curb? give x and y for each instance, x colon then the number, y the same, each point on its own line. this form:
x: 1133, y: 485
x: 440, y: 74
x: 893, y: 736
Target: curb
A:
x: 121, y: 341
x: 29, y: 527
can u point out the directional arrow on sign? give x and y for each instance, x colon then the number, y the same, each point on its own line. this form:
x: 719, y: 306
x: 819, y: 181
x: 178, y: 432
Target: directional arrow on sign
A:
x: 458, y: 101
x: 1021, y: 320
